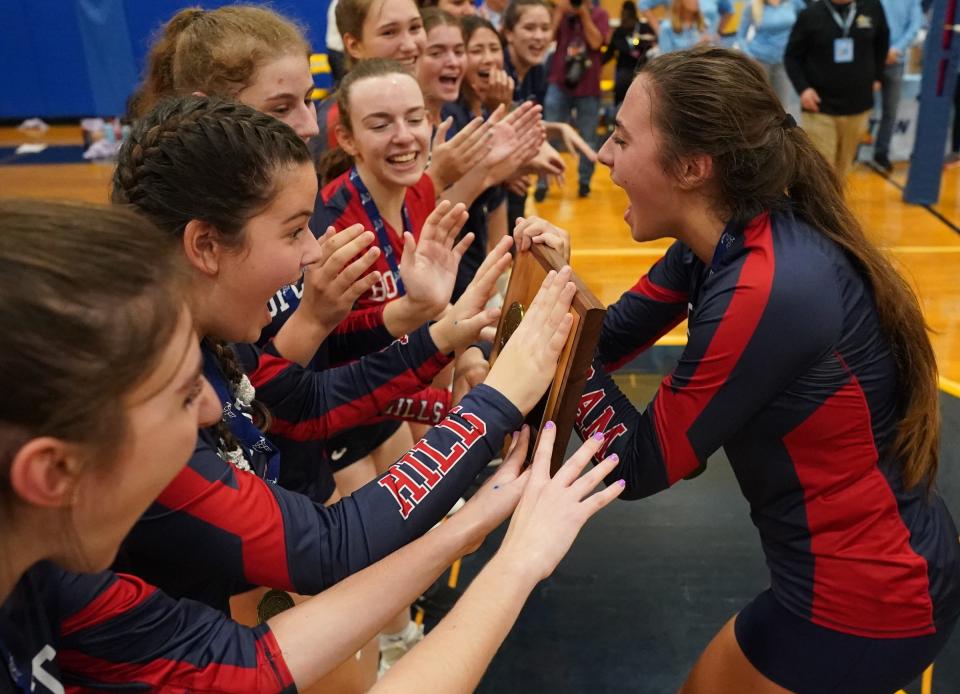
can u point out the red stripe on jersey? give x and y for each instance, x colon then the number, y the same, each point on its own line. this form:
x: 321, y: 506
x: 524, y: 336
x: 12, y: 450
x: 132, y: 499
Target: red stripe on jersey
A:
x: 268, y: 368
x: 361, y: 319
x: 656, y: 292
x: 125, y: 593
x: 675, y: 409
x: 270, y: 673
x: 249, y: 512
x: 355, y: 412
x: 861, y: 547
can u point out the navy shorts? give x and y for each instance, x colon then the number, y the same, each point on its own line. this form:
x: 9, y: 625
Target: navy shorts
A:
x: 351, y: 445
x: 804, y: 657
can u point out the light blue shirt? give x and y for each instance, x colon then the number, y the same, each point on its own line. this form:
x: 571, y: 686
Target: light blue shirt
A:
x: 904, y: 18
x: 770, y: 37
x: 710, y: 9
x: 668, y: 41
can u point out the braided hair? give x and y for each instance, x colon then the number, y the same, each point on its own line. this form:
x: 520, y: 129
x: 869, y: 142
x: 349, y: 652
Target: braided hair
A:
x: 197, y: 157
x: 211, y: 160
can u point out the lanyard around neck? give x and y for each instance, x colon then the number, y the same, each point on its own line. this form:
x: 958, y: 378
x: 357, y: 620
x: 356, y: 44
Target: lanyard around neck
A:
x: 370, y: 207
x: 844, y: 24
x: 21, y: 678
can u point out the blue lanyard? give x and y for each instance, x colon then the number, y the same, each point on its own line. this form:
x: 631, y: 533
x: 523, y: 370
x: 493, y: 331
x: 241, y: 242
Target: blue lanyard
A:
x: 241, y: 424
x: 370, y: 207
x: 723, y: 247
x: 22, y: 679
x: 843, y: 24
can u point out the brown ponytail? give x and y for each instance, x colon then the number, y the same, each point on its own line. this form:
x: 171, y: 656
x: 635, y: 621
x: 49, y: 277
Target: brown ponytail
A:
x: 214, y: 52
x: 719, y: 102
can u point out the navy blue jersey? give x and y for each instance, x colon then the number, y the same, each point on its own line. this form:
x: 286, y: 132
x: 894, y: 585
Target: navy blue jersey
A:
x: 787, y: 368
x: 215, y: 531
x: 532, y: 87
x: 112, y: 631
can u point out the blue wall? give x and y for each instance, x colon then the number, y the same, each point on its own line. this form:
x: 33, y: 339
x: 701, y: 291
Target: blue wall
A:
x: 72, y: 58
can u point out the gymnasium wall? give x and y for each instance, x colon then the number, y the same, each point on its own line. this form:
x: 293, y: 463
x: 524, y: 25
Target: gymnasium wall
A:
x: 74, y: 58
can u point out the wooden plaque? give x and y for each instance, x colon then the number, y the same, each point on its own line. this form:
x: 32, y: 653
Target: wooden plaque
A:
x: 562, y: 398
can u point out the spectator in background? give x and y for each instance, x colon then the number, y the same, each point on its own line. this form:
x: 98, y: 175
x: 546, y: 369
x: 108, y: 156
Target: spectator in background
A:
x: 581, y: 30
x: 457, y: 8
x: 338, y: 64
x: 772, y: 21
x: 835, y: 59
x: 904, y: 18
x: 715, y: 14
x: 629, y: 45
x: 492, y: 11
x: 683, y: 28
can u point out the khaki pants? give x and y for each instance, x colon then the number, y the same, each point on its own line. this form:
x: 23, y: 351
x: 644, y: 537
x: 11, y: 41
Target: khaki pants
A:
x: 836, y: 137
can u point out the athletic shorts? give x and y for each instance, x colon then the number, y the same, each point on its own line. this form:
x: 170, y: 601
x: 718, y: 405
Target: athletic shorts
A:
x: 806, y: 658
x: 350, y: 446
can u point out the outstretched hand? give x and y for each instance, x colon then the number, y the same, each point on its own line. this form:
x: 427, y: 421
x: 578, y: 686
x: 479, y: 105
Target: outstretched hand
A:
x: 526, y: 365
x: 461, y: 324
x: 451, y: 159
x: 428, y: 267
x: 335, y: 274
x: 498, y: 497
x: 551, y: 512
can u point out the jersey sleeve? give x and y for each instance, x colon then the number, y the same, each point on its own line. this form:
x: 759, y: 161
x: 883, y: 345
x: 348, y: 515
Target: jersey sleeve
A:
x: 361, y: 332
x: 749, y: 339
x: 649, y: 310
x: 215, y: 521
x: 427, y: 406
x: 118, y: 632
x: 307, y: 404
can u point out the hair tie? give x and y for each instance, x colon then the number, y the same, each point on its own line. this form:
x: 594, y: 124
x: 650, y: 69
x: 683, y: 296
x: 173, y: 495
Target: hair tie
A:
x: 788, y: 123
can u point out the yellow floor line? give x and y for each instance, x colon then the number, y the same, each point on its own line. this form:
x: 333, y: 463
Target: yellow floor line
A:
x: 950, y: 387
x: 454, y: 574
x: 672, y: 341
x: 656, y: 252
x: 619, y: 252
x: 923, y: 249
x: 926, y: 684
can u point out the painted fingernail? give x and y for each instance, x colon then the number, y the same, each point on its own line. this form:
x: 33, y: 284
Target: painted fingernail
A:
x: 549, y: 425
x: 622, y: 483
x: 516, y: 434
x: 598, y: 436
x: 613, y: 457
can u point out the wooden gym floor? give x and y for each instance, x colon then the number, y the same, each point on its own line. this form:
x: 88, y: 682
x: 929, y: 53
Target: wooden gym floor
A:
x: 647, y: 584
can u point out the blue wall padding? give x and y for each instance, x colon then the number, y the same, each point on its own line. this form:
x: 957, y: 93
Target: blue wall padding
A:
x: 74, y: 58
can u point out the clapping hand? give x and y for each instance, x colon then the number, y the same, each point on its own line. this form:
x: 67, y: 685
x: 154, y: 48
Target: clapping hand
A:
x: 336, y: 274
x: 428, y: 267
x: 462, y: 323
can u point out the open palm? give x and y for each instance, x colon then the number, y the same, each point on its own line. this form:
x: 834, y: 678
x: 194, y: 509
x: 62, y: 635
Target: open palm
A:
x: 428, y: 267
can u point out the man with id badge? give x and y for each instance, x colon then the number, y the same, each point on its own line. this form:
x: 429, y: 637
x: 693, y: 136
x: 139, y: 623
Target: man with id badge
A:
x: 835, y: 58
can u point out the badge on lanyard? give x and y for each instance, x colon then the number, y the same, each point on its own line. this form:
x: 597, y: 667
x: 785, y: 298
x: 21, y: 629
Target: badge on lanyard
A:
x: 843, y: 47
x: 843, y: 50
